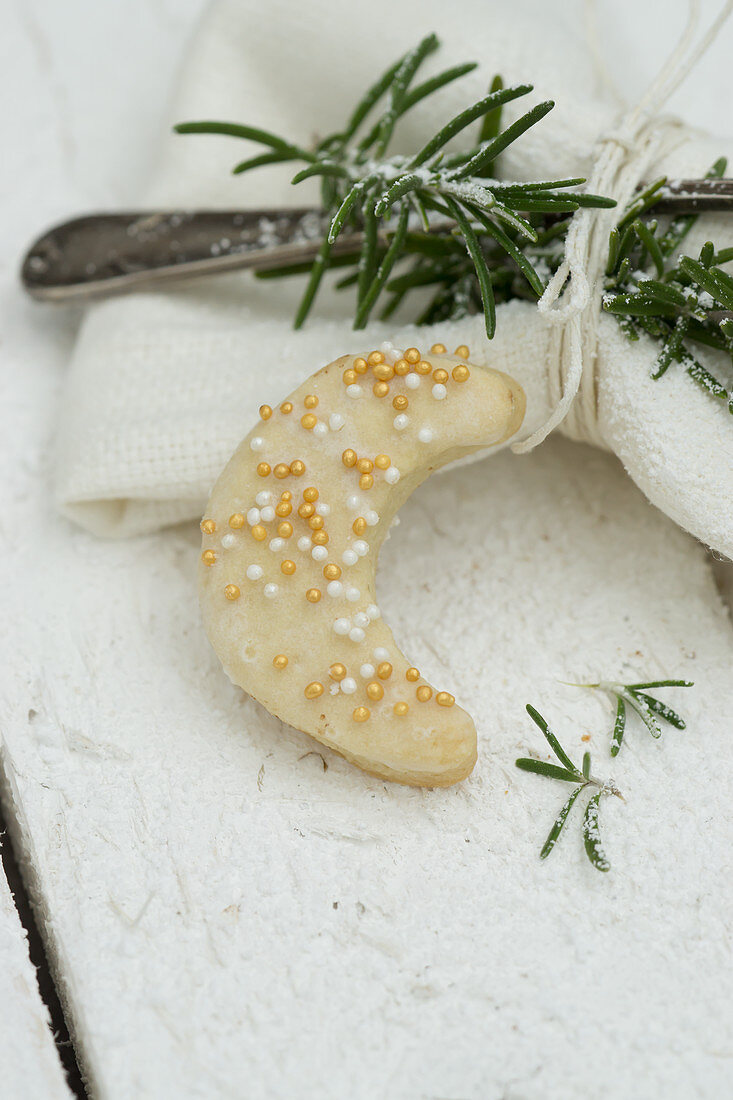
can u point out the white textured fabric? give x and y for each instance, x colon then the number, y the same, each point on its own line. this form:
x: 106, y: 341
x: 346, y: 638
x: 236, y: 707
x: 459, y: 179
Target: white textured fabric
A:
x: 163, y: 385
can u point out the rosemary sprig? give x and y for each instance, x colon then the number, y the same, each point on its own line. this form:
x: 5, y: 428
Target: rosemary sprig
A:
x: 677, y: 299
x: 647, y: 707
x: 441, y: 215
x: 568, y: 772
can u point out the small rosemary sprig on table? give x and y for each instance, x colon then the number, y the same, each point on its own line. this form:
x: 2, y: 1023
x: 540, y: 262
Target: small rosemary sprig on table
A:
x: 636, y: 697
x: 568, y: 772
x: 677, y: 299
x: 475, y: 237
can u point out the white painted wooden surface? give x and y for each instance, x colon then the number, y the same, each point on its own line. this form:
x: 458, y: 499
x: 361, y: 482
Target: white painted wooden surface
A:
x: 29, y: 1064
x: 229, y: 918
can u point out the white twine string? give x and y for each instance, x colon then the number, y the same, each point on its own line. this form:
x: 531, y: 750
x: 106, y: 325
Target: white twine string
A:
x: 571, y: 302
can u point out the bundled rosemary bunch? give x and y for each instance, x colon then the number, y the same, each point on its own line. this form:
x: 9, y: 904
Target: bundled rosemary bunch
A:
x: 441, y: 216
x: 677, y: 299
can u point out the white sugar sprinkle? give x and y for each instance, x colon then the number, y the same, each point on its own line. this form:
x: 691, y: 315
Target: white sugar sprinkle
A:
x: 267, y: 514
x: 354, y: 391
x: 263, y: 498
x: 412, y: 381
x: 380, y: 653
x: 341, y: 626
x: 439, y: 391
x: 372, y: 518
x: 348, y: 685
x: 304, y: 543
x: 319, y: 553
x: 401, y: 421
x: 254, y: 572
x: 392, y: 475
x: 356, y: 634
x: 276, y: 544
x: 253, y: 516
x: 257, y: 443
x: 334, y: 588
x: 366, y: 671
x: 228, y: 541
x: 336, y: 422
x: 349, y: 557
x: 353, y: 594
x: 361, y: 547
x: 271, y: 590
x: 374, y: 613
x: 426, y: 435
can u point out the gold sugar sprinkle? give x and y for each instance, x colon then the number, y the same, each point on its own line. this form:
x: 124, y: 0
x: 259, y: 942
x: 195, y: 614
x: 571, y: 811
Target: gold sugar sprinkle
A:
x: 208, y: 557
x: 208, y: 526
x: 460, y: 373
x: 280, y: 661
x: 349, y: 457
x: 384, y: 670
x: 313, y: 595
x: 297, y: 468
x: 337, y: 671
x: 259, y: 532
x: 263, y: 469
x: 313, y: 690
x: 412, y: 674
x: 232, y: 592
x: 462, y: 351
x: 444, y: 699
x: 310, y: 401
x: 401, y: 709
x: 265, y: 412
x: 438, y: 349
x: 236, y: 520
x: 382, y: 462
x: 287, y: 567
x: 424, y: 693
x: 375, y: 691
x: 412, y: 355
x: 361, y: 714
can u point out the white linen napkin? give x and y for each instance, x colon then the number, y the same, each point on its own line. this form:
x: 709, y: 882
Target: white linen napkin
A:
x: 163, y: 385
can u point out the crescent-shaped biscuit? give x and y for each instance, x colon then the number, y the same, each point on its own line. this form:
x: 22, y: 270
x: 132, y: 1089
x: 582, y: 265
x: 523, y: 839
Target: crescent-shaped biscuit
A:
x: 291, y: 536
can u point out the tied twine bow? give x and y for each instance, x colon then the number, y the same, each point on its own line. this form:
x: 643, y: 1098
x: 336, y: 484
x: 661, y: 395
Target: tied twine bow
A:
x: 571, y: 302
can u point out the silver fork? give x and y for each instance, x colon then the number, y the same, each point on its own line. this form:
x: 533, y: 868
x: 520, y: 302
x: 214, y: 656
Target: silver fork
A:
x: 103, y: 254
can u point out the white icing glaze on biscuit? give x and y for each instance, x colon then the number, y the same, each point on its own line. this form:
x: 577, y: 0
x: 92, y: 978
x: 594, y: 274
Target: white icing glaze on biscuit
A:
x: 289, y: 604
